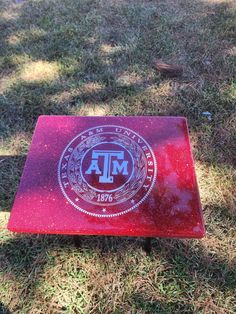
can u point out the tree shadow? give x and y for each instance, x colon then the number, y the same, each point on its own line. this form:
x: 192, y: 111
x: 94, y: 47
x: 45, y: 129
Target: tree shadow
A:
x: 24, y: 259
x: 195, y: 262
x: 11, y: 168
x: 4, y: 309
x: 83, y: 62
x: 188, y: 259
x: 141, y: 302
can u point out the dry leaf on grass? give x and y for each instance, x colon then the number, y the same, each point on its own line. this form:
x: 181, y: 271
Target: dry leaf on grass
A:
x: 167, y: 69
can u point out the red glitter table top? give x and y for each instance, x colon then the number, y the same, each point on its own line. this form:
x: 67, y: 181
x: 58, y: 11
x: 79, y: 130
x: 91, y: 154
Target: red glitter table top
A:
x: 122, y: 176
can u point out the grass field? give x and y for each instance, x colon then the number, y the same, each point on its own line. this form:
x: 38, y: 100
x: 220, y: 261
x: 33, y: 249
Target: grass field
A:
x: 95, y: 57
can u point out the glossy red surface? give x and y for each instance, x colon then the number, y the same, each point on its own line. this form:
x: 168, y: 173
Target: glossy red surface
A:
x: 118, y: 176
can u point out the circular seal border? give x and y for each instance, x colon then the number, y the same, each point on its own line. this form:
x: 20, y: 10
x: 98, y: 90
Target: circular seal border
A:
x: 122, y: 145
x: 116, y: 214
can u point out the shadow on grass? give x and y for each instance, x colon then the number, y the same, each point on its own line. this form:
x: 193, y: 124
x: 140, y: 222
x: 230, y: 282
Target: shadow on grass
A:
x: 11, y: 168
x: 23, y: 260
x: 160, y: 307
x: 197, y: 264
x: 26, y: 256
x: 82, y: 61
x: 4, y: 309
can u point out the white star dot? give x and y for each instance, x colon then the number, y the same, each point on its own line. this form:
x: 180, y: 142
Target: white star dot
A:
x: 104, y: 210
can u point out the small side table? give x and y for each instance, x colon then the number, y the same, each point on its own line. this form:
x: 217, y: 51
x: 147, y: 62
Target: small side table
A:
x: 118, y: 176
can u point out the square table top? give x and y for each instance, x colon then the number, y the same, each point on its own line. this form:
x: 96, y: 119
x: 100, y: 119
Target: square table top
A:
x: 121, y: 176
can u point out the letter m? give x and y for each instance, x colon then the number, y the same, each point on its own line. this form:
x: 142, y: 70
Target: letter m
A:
x: 120, y: 168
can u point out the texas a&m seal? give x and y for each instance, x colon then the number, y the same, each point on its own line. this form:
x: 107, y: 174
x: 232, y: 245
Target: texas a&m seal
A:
x: 107, y: 171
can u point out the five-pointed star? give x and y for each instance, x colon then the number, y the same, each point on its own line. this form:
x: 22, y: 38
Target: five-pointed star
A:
x: 132, y: 201
x: 104, y: 210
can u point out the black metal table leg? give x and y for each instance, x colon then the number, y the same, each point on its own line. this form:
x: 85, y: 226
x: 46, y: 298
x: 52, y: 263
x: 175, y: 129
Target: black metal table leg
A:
x: 77, y: 241
x: 148, y: 245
